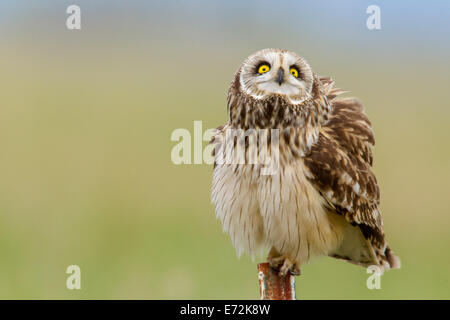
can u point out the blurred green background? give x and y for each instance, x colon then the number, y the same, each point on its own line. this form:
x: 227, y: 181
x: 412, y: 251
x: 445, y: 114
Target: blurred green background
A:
x: 86, y: 117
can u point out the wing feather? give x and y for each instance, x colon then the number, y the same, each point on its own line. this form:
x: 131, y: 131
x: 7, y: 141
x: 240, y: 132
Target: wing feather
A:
x: 339, y: 166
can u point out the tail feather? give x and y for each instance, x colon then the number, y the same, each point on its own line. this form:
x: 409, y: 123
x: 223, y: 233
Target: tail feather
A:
x: 392, y: 259
x: 388, y: 259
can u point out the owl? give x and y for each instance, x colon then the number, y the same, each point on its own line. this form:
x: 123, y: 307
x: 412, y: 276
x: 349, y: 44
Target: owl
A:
x: 323, y: 200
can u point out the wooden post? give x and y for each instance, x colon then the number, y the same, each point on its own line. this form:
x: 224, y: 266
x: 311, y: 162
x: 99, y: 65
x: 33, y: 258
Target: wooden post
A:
x: 274, y: 287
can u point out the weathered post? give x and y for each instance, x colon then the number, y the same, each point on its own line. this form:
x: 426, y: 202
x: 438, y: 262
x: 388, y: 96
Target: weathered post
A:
x: 272, y: 286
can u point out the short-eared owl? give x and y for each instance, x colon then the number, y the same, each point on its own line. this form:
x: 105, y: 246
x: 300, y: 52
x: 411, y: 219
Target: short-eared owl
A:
x: 324, y: 198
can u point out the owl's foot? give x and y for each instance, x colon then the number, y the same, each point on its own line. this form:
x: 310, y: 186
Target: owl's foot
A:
x: 283, y: 265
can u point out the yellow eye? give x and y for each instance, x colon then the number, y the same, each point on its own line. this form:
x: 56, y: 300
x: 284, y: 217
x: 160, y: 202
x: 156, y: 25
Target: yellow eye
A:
x: 294, y: 72
x: 263, y: 68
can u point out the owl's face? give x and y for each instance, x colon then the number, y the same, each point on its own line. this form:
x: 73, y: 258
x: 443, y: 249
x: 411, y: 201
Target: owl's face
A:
x: 276, y: 72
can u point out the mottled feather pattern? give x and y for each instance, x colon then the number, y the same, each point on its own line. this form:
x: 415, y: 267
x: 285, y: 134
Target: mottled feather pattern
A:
x: 324, y: 200
x: 340, y: 166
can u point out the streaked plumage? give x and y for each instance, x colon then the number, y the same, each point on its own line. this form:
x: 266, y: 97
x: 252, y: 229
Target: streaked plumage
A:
x: 324, y: 199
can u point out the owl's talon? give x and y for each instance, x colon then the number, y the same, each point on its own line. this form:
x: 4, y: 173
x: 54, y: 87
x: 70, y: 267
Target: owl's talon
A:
x: 295, y: 271
x: 284, y: 266
x: 276, y: 263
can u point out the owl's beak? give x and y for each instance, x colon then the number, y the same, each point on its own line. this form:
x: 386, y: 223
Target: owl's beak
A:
x: 280, y: 76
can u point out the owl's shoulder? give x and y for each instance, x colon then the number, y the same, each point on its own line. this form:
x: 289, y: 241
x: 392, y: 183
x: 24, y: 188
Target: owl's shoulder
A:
x: 349, y: 126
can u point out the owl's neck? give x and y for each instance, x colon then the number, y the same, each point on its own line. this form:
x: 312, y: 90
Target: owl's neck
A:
x: 298, y: 125
x: 274, y: 112
x: 249, y: 113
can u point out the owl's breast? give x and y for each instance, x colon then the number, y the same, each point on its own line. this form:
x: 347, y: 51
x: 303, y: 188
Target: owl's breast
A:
x: 274, y: 207
x: 295, y: 217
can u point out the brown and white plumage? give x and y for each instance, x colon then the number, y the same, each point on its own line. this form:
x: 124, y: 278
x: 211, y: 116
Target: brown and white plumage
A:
x: 324, y: 199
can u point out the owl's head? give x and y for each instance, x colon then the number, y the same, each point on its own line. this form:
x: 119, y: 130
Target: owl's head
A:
x: 275, y: 72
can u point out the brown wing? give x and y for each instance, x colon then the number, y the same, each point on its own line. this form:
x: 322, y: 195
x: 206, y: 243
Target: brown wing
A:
x: 339, y: 166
